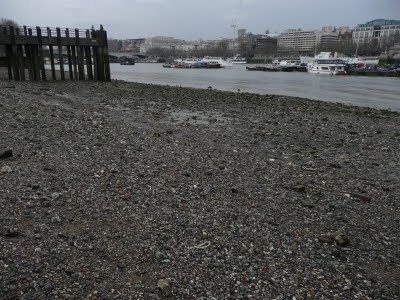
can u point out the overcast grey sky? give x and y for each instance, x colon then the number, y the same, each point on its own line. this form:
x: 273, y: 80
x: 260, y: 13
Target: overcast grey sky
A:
x: 193, y: 19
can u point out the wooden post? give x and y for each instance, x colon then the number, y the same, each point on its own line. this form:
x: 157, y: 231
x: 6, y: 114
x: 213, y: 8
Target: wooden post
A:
x: 71, y: 74
x: 33, y: 56
x: 60, y: 54
x: 53, y: 69
x: 28, y: 56
x: 106, y: 58
x: 88, y: 57
x: 40, y: 48
x: 74, y: 62
x: 20, y: 56
x: 13, y: 54
x: 81, y: 69
x: 9, y: 68
x: 95, y: 56
x: 100, y: 56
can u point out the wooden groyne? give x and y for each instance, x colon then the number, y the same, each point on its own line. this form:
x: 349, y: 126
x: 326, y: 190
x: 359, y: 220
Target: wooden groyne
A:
x: 82, y: 53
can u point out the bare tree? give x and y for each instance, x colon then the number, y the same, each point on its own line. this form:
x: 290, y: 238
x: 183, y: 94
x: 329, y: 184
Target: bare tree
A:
x: 6, y: 22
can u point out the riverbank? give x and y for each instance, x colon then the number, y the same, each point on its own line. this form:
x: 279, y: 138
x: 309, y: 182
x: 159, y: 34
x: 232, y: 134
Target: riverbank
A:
x: 150, y: 192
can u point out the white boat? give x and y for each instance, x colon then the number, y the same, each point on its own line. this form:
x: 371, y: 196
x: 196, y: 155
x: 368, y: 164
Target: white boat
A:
x: 367, y: 61
x: 311, y: 60
x: 289, y: 63
x: 328, y: 66
x: 217, y: 60
x: 238, y: 60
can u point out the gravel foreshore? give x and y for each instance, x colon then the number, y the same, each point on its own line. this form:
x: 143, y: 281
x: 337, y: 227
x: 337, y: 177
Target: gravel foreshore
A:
x: 130, y: 191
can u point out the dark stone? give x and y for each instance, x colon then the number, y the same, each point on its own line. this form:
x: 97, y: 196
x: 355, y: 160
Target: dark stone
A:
x: 12, y: 233
x: 361, y: 198
x: 6, y: 154
x: 299, y: 188
x: 335, y: 165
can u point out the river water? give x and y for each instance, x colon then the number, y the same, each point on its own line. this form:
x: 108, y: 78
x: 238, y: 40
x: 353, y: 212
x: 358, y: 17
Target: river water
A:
x: 377, y: 92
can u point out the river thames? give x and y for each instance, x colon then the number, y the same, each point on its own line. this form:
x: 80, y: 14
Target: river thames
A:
x: 377, y: 92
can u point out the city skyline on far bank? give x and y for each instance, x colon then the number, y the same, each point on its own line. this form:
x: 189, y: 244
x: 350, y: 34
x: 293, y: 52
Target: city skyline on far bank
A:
x: 191, y: 20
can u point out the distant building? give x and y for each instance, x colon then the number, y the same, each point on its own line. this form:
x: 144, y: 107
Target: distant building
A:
x: 329, y: 36
x: 166, y: 42
x: 132, y: 45
x: 265, y: 44
x: 379, y: 29
x: 297, y: 40
x: 114, y: 45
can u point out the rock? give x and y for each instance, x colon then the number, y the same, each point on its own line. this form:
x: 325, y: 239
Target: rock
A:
x: 56, y: 219
x: 12, y: 233
x: 163, y: 284
x: 6, y: 154
x: 152, y: 297
x: 5, y: 170
x: 299, y: 188
x: 361, y: 198
x: 55, y: 196
x: 160, y: 256
x: 335, y: 237
x: 335, y: 165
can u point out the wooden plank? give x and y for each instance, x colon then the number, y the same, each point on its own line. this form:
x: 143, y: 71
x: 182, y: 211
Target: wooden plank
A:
x: 53, y: 69
x: 33, y: 60
x: 13, y: 54
x: 7, y: 47
x: 40, y: 52
x: 74, y: 62
x: 20, y: 54
x: 106, y: 58
x: 100, y: 57
x: 28, y: 55
x: 95, y: 56
x: 88, y: 57
x: 32, y: 40
x: 71, y: 74
x: 60, y: 54
x: 81, y: 69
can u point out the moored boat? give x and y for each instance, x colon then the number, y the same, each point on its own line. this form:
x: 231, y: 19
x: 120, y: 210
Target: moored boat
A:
x: 327, y: 66
x: 238, y: 60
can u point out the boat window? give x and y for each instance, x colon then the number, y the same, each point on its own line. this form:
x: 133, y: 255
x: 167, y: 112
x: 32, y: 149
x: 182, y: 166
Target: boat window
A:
x: 325, y: 68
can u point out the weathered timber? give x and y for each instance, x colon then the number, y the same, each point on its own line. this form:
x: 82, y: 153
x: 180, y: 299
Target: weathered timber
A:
x: 29, y: 48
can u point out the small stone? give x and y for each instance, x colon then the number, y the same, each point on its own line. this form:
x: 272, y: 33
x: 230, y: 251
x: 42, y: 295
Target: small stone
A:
x: 361, y: 198
x: 6, y: 154
x: 160, y: 256
x: 5, y: 170
x: 12, y: 233
x: 299, y: 188
x: 56, y: 219
x: 153, y: 297
x: 55, y: 196
x: 163, y: 284
x: 336, y: 237
x: 335, y: 165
